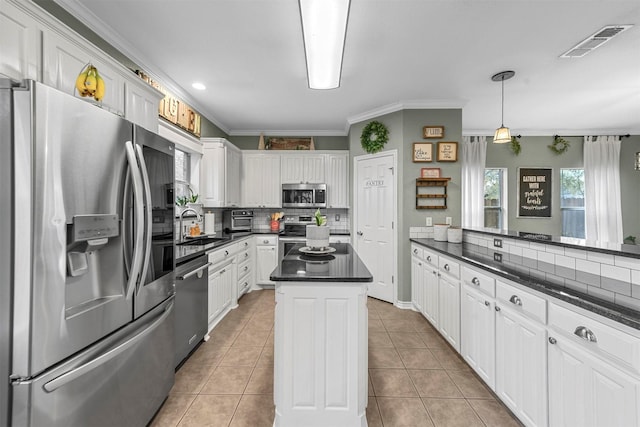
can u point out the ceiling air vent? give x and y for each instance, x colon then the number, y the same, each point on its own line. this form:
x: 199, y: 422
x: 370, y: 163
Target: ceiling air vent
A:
x: 594, y: 41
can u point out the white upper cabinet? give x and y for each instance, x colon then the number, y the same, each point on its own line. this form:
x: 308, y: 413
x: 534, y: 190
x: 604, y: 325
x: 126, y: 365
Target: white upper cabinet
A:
x: 64, y: 59
x: 337, y: 180
x: 261, y: 180
x: 19, y: 35
x: 141, y: 105
x: 220, y: 173
x: 302, y: 168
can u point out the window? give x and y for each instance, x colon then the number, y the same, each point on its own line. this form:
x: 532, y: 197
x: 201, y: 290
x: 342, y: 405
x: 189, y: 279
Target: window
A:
x: 572, y: 202
x: 183, y: 173
x: 495, y: 199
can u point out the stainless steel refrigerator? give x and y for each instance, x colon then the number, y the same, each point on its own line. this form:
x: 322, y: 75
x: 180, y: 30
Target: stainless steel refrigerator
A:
x: 86, y: 308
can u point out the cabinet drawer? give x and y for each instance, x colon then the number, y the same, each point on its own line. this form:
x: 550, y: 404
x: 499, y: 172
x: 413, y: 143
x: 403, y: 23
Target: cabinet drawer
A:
x: 612, y: 344
x: 430, y: 258
x: 448, y: 266
x: 478, y: 280
x: 244, y: 269
x: 221, y: 254
x: 244, y: 255
x: 266, y: 240
x: 521, y: 301
x: 416, y: 251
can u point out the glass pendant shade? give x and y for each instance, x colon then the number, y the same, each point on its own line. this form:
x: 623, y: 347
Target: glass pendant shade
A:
x: 502, y: 135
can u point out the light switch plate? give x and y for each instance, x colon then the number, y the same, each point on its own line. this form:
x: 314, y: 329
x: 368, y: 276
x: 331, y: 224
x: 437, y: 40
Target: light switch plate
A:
x: 429, y: 221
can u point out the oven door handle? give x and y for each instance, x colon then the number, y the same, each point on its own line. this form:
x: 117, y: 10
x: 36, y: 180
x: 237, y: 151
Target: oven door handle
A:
x: 194, y: 272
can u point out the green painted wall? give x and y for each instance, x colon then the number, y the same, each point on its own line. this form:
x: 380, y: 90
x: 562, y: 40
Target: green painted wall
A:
x: 535, y: 153
x: 320, y: 142
x: 209, y: 130
x: 405, y: 128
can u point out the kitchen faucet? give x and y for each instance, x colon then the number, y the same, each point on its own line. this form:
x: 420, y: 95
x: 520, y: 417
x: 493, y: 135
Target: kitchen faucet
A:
x: 182, y: 233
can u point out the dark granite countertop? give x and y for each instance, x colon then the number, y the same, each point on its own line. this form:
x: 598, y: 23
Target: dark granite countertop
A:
x: 343, y: 265
x: 483, y: 258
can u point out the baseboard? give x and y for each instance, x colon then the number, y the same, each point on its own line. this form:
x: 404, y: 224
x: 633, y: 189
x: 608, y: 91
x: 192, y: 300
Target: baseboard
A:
x: 405, y: 305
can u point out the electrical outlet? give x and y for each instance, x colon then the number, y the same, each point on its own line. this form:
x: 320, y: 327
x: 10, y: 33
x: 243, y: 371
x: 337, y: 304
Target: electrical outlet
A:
x: 497, y: 256
x: 497, y: 243
x: 429, y: 221
x: 448, y: 220
x: 337, y: 217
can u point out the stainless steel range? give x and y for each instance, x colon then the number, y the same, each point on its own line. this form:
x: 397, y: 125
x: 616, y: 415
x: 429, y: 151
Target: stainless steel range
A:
x: 295, y: 231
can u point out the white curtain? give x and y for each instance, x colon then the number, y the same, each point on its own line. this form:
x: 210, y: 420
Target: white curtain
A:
x: 473, y: 155
x: 603, y: 207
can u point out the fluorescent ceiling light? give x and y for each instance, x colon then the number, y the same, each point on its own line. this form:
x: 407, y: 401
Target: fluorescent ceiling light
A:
x: 198, y: 86
x: 324, y: 25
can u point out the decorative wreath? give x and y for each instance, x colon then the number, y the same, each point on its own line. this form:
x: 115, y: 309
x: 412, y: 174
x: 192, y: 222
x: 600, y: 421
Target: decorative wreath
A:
x: 560, y: 145
x: 515, y: 145
x: 374, y: 136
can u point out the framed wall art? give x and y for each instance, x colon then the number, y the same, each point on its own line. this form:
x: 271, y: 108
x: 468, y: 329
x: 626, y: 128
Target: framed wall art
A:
x: 534, y: 192
x: 422, y: 152
x: 447, y: 151
x: 433, y: 132
x: 430, y: 173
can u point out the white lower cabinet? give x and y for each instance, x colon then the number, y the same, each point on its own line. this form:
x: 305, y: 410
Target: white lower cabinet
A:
x: 478, y: 336
x: 417, y: 283
x: 587, y: 385
x: 552, y: 364
x: 222, y: 279
x: 449, y: 302
x: 266, y: 258
x: 521, y: 366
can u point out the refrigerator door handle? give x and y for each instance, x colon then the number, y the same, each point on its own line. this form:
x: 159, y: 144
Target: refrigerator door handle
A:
x: 136, y: 262
x: 69, y: 376
x: 148, y: 215
x: 125, y: 225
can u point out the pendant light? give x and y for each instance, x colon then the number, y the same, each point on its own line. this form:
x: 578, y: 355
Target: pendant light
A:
x: 503, y: 134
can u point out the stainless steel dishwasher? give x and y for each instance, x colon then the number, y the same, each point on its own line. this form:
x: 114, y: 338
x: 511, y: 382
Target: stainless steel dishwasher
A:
x: 191, y: 305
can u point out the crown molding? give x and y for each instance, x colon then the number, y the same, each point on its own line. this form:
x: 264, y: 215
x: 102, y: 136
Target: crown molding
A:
x: 110, y: 36
x: 415, y: 104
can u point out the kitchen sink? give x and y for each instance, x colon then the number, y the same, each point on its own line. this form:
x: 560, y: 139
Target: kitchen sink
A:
x: 203, y: 241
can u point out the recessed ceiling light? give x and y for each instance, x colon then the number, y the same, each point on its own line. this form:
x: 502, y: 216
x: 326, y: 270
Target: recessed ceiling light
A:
x: 198, y: 86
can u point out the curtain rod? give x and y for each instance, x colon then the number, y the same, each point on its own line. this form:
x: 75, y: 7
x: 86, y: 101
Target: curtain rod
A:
x: 570, y: 136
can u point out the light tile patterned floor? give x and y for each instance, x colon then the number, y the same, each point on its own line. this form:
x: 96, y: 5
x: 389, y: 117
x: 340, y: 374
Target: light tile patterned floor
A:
x: 415, y: 378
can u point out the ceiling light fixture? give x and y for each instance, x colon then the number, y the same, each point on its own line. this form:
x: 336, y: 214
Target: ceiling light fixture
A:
x: 198, y: 86
x: 324, y: 26
x: 503, y: 134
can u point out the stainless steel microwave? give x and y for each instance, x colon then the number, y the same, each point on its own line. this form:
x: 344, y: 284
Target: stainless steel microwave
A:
x: 304, y: 195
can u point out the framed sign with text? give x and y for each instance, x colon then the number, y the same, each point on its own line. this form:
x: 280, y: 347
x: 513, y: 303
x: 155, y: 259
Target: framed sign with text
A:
x: 534, y: 192
x: 433, y: 132
x: 447, y: 151
x: 422, y: 152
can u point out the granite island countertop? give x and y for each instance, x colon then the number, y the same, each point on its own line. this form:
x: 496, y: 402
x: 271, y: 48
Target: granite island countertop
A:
x: 343, y: 265
x: 482, y: 258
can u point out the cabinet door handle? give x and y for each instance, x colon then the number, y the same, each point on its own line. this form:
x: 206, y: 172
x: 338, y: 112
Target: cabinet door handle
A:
x: 475, y: 281
x: 515, y: 299
x: 497, y: 308
x: 222, y: 271
x: 359, y: 233
x: 552, y: 340
x: 226, y: 253
x: 487, y: 303
x: 272, y: 249
x: 415, y: 251
x: 429, y: 258
x: 585, y: 333
x: 446, y: 267
x: 420, y: 264
x: 246, y: 267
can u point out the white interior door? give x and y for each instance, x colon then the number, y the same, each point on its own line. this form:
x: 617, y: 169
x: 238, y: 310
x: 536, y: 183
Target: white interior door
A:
x: 375, y: 212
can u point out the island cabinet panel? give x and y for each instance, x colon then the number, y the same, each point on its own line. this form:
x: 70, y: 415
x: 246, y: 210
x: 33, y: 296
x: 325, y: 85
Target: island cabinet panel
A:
x: 320, y: 354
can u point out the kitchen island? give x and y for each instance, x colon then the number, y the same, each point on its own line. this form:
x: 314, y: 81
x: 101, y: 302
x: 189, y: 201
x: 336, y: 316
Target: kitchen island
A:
x: 320, y: 347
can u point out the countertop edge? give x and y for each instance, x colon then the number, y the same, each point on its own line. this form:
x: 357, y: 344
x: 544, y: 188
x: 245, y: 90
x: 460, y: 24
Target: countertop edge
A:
x: 618, y: 313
